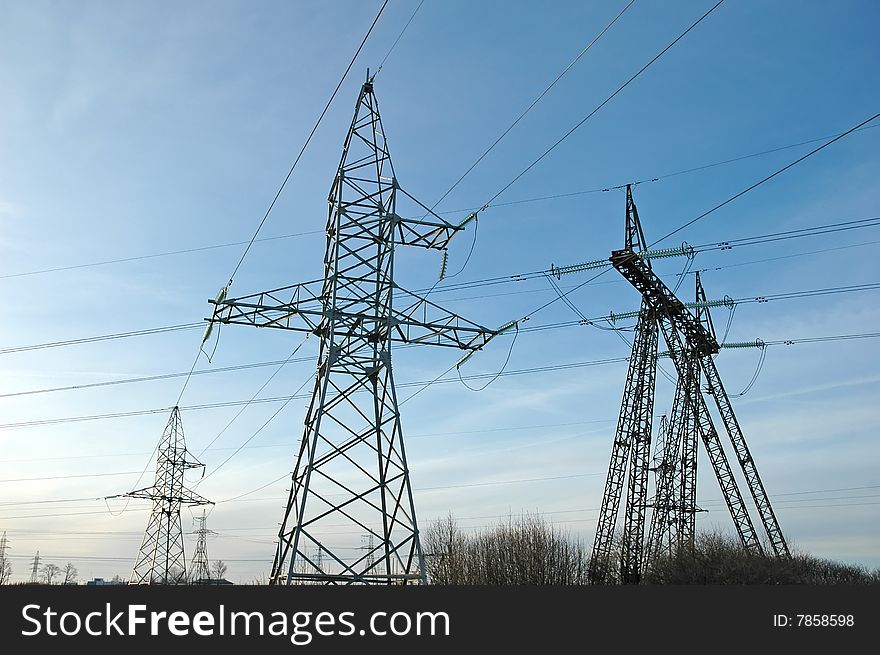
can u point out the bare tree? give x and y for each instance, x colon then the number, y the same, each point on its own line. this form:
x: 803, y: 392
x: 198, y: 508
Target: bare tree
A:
x: 218, y: 569
x: 71, y: 575
x: 50, y: 572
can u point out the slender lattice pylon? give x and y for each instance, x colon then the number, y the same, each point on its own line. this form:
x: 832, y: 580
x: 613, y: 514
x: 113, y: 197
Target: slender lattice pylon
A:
x: 5, y: 566
x: 632, y: 443
x: 161, y: 559
x: 35, y: 568
x: 200, y: 568
x: 351, y: 471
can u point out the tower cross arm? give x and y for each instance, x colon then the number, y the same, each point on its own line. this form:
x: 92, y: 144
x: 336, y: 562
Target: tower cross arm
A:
x: 298, y: 307
x: 637, y: 272
x: 302, y: 308
x: 185, y: 497
x: 429, y: 231
x: 421, y: 321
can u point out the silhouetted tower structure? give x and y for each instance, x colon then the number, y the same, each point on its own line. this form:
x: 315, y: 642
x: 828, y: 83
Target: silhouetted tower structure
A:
x: 351, y: 468
x: 673, y: 521
x: 200, y: 566
x: 5, y: 566
x: 161, y: 559
x: 631, y: 450
x: 35, y: 569
x: 692, y: 346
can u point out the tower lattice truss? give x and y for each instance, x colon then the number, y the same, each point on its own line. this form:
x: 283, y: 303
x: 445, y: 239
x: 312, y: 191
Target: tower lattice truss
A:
x: 200, y: 569
x: 351, y: 475
x: 161, y: 557
x: 691, y: 345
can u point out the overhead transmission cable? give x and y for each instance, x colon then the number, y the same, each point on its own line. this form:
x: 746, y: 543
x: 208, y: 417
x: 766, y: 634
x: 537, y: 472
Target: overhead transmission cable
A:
x: 306, y: 144
x: 474, y: 215
x: 582, y: 320
x: 580, y: 123
x: 534, y: 102
x: 423, y: 385
x: 397, y: 40
x: 615, y: 187
x: 763, y: 180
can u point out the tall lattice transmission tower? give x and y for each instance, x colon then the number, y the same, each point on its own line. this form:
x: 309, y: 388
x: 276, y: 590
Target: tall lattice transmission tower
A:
x: 161, y: 559
x: 351, y: 469
x: 692, y: 346
x: 200, y: 566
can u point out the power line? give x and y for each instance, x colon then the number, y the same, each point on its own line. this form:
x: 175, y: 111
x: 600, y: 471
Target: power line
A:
x: 168, y: 253
x: 257, y: 393
x: 604, y: 189
x: 534, y: 102
x: 280, y: 363
x: 719, y: 245
x: 659, y: 178
x: 602, y: 104
x: 110, y: 533
x: 763, y: 180
x: 102, y: 337
x: 306, y: 144
x: 397, y: 40
x: 214, y: 469
x: 440, y: 380
x: 418, y: 435
x: 153, y: 378
x: 516, y: 277
x: 65, y: 477
x: 524, y: 481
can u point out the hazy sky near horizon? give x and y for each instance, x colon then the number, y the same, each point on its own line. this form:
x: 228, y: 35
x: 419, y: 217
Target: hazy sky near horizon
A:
x: 131, y: 128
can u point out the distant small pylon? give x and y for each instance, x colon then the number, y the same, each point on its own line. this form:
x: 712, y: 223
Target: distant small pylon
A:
x: 161, y: 558
x: 35, y: 569
x: 5, y: 567
x: 200, y: 571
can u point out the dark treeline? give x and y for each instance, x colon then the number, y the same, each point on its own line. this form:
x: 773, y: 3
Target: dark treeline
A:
x: 526, y: 550
x: 720, y: 559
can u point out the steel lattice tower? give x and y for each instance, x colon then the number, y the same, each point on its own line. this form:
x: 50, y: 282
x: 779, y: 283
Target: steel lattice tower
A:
x: 5, y: 567
x: 692, y: 346
x: 351, y: 468
x: 200, y: 568
x: 161, y: 557
x: 35, y: 568
x: 632, y: 442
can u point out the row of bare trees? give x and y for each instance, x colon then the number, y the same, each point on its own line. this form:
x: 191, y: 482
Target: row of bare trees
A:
x: 523, y: 550
x: 719, y: 559
x: 53, y: 574
x: 526, y: 550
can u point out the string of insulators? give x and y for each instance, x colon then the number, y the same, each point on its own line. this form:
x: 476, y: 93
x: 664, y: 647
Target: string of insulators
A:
x: 724, y: 302
x: 221, y: 296
x: 468, y: 219
x: 443, y: 264
x: 757, y: 343
x: 504, y: 328
x: 684, y: 250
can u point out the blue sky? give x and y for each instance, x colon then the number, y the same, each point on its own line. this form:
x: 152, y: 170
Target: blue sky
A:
x: 139, y: 128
